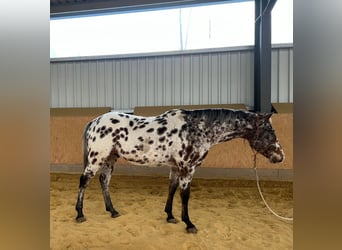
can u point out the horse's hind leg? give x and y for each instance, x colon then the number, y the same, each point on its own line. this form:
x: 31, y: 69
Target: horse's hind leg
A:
x: 84, y: 181
x: 105, y: 177
x: 173, y: 184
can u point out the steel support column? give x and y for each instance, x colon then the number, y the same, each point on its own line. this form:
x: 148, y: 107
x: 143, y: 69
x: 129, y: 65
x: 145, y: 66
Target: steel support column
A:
x: 262, y: 55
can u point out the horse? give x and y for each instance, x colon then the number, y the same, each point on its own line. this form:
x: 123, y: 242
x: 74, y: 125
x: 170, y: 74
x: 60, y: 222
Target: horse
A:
x: 178, y: 138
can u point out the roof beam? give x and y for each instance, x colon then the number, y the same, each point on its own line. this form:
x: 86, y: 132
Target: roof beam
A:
x: 64, y: 8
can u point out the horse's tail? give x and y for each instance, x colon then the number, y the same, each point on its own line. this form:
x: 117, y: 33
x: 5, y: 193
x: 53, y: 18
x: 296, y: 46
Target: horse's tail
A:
x: 85, y: 145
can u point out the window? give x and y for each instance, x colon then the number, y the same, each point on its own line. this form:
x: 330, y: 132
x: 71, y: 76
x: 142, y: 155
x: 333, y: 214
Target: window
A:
x: 225, y: 24
x: 282, y: 22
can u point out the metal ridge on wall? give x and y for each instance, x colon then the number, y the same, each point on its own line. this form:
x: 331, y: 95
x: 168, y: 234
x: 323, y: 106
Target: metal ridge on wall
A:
x: 165, y: 53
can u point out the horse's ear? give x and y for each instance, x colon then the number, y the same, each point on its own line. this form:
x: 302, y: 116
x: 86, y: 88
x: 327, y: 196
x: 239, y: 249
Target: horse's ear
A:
x: 266, y: 116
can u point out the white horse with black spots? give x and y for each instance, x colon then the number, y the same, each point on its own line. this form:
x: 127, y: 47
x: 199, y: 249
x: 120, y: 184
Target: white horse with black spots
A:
x: 179, y: 139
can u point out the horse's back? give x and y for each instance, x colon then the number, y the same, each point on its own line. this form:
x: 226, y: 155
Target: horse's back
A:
x: 139, y: 140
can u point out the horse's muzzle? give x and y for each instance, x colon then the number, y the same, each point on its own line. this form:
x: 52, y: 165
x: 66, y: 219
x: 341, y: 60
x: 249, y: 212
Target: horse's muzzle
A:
x: 277, y: 157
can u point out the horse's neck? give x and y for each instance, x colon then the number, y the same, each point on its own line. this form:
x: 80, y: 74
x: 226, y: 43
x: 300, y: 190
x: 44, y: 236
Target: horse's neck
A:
x: 229, y: 129
x: 226, y: 132
x: 213, y: 127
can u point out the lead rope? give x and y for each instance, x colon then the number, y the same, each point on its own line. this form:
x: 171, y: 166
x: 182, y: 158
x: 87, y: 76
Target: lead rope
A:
x: 258, y: 185
x: 261, y: 195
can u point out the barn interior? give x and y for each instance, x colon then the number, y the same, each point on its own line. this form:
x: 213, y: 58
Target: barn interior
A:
x: 225, y: 201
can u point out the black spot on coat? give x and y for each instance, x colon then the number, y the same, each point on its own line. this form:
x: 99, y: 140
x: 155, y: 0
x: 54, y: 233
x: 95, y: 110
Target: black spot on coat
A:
x: 161, y: 130
x: 114, y: 121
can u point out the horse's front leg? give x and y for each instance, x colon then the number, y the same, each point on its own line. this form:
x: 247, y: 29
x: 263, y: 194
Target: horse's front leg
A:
x: 173, y: 184
x: 184, y: 184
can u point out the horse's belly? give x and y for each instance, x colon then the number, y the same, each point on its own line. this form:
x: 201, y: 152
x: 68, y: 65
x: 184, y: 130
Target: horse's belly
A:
x: 148, y: 160
x: 146, y: 155
x: 149, y: 163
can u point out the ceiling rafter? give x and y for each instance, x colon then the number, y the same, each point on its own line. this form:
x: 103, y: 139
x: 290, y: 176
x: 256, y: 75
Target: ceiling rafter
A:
x: 79, y: 7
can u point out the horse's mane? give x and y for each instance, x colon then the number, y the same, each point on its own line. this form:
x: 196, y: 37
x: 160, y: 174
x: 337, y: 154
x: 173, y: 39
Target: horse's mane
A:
x: 217, y: 115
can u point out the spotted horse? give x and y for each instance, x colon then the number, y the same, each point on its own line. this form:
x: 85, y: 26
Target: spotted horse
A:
x: 177, y: 138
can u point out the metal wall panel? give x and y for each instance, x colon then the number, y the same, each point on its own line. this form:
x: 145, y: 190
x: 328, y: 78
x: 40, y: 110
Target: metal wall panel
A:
x: 199, y: 78
x: 282, y: 75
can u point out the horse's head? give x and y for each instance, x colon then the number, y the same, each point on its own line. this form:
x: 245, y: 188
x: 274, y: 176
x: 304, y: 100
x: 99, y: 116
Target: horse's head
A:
x: 262, y: 138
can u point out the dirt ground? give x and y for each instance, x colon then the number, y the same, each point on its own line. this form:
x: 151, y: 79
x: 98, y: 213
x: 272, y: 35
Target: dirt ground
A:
x: 228, y: 215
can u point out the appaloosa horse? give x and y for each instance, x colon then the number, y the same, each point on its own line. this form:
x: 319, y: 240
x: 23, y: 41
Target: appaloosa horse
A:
x: 178, y: 138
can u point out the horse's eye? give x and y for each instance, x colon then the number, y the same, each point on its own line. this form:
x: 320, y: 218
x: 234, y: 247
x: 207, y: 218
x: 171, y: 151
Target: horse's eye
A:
x: 257, y: 144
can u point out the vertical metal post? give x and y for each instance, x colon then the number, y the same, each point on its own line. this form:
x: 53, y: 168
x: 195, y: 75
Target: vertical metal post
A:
x: 262, y: 55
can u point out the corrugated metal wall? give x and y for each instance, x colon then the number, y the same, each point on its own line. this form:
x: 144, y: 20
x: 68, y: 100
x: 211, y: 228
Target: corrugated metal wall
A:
x: 199, y: 78
x: 282, y: 75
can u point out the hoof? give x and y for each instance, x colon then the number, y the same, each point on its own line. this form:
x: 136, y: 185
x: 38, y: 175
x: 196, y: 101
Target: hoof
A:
x: 172, y: 220
x: 192, y: 230
x: 115, y: 215
x: 80, y: 219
